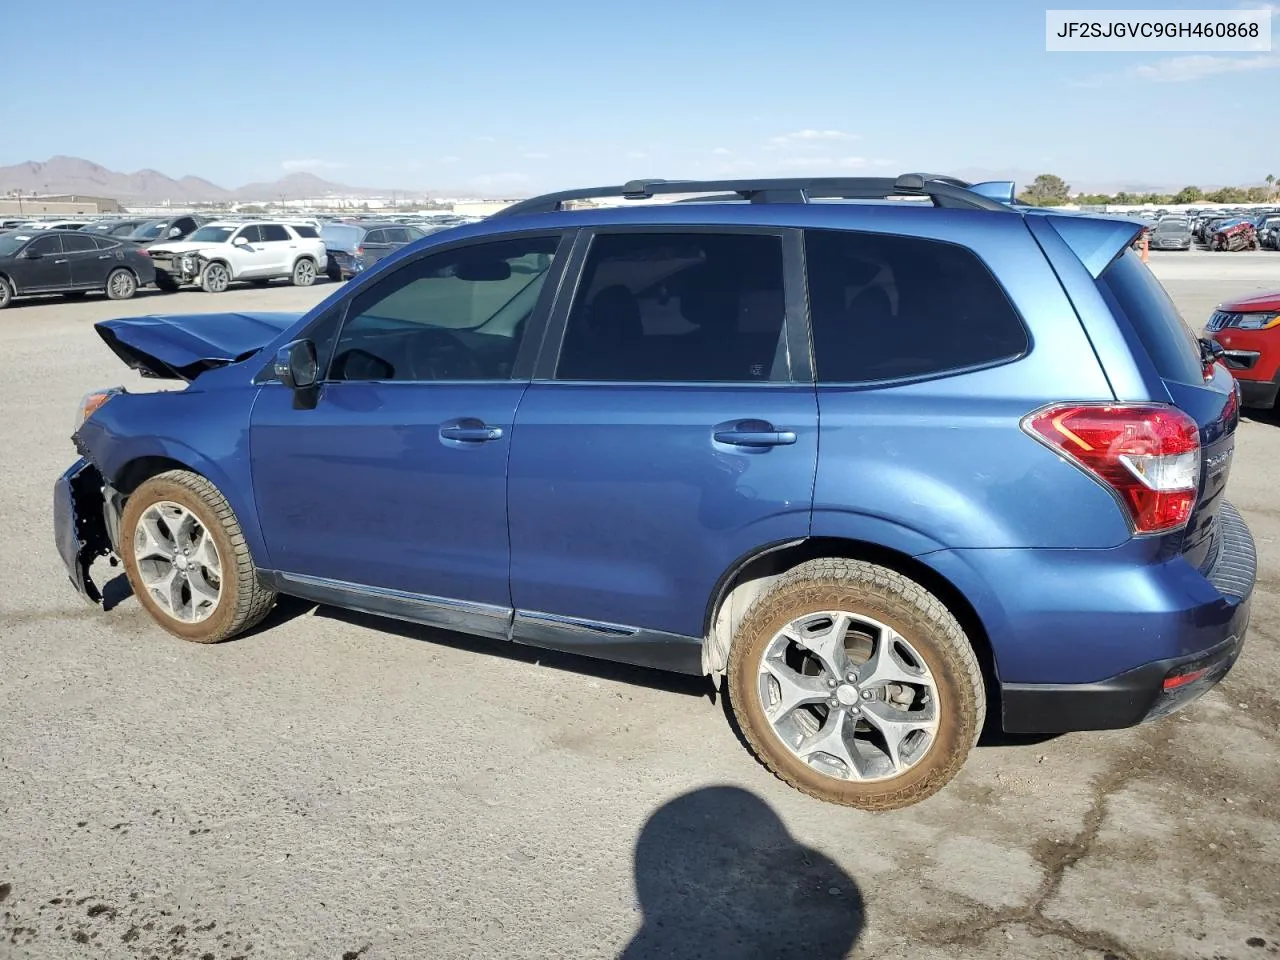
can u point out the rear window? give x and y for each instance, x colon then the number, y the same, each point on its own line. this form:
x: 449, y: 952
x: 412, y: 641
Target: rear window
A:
x: 1133, y: 292
x: 886, y: 307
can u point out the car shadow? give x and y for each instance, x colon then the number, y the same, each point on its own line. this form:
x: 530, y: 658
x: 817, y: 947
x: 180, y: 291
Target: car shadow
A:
x: 61, y: 299
x: 718, y: 874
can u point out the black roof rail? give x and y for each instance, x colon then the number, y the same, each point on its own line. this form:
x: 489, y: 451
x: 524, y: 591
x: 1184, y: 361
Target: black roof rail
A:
x: 943, y: 191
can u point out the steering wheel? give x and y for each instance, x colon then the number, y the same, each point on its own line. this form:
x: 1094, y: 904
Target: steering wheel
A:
x: 436, y: 354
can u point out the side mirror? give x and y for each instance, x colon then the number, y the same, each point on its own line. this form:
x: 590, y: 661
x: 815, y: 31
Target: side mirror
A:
x: 296, y: 365
x: 31, y: 254
x: 240, y: 242
x: 175, y: 232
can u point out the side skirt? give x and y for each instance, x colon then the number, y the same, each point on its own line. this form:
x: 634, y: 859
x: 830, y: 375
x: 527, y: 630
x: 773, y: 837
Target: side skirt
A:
x: 605, y: 641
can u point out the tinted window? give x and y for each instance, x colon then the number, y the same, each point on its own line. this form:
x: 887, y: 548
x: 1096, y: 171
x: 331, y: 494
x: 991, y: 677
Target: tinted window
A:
x: 274, y: 233
x: 1132, y: 291
x: 673, y: 306
x: 78, y: 243
x: 884, y: 307
x: 458, y: 315
x: 252, y: 233
x: 375, y: 236
x: 303, y: 230
x: 46, y: 245
x: 186, y: 225
x: 396, y: 235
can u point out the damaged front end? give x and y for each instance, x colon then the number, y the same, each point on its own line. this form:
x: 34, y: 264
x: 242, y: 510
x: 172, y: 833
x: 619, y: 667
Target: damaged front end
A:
x: 181, y: 268
x: 86, y: 523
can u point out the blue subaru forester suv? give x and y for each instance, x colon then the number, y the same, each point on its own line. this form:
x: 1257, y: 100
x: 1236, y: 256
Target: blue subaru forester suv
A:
x: 885, y: 454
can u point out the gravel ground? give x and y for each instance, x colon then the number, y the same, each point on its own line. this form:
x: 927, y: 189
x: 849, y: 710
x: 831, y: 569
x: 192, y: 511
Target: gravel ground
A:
x: 334, y: 787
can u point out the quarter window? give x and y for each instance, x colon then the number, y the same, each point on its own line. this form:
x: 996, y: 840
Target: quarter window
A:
x: 677, y: 307
x: 885, y: 307
x: 458, y: 315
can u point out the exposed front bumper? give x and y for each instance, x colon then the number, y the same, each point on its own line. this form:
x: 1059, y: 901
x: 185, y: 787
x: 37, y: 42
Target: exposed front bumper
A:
x: 79, y: 524
x: 1158, y: 688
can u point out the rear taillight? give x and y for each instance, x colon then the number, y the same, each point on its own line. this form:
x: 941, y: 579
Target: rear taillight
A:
x: 144, y: 251
x: 1149, y: 456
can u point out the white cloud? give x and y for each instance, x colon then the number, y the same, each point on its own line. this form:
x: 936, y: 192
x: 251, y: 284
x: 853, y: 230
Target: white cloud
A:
x: 311, y: 164
x: 722, y: 151
x: 450, y: 159
x: 810, y: 137
x: 535, y: 155
x: 1198, y: 66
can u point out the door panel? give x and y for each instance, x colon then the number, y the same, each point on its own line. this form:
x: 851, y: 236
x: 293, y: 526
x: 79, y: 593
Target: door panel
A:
x: 52, y: 271
x: 89, y: 265
x: 626, y: 510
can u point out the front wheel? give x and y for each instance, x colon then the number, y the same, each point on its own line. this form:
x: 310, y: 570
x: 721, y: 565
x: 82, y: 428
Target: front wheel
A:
x: 6, y: 293
x: 121, y: 285
x: 856, y: 685
x: 304, y: 273
x: 165, y: 282
x: 216, y: 278
x: 187, y: 561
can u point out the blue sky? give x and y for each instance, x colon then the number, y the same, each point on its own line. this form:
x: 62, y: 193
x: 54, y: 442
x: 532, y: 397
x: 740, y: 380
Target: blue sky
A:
x: 505, y: 97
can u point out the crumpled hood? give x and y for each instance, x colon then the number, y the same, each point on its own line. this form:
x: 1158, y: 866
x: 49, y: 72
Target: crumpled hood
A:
x: 180, y: 246
x: 183, y: 346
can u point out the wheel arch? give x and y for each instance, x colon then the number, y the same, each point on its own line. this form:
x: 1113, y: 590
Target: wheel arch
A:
x: 751, y: 575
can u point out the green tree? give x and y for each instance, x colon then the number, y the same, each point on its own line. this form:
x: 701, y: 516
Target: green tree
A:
x: 1188, y: 195
x: 1047, y: 190
x: 1271, y: 182
x: 1258, y: 194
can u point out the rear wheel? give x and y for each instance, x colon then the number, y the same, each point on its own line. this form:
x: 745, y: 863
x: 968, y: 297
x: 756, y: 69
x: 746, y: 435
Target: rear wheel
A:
x: 187, y: 561
x: 6, y: 293
x: 216, y: 278
x: 121, y: 284
x: 304, y: 272
x: 856, y: 685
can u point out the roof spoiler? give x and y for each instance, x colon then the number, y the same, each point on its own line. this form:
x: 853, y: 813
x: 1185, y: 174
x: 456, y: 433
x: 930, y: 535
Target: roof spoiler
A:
x: 1002, y: 191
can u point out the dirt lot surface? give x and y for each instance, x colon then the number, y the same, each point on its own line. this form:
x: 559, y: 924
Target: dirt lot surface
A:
x: 335, y: 787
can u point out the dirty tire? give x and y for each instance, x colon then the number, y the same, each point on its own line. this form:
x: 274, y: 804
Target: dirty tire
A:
x: 215, y: 278
x: 121, y: 284
x: 165, y: 282
x: 243, y: 601
x: 304, y: 272
x: 333, y: 272
x: 890, y: 598
x: 6, y: 293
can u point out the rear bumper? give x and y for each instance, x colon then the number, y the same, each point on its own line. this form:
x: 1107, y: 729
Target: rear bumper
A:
x: 1157, y: 688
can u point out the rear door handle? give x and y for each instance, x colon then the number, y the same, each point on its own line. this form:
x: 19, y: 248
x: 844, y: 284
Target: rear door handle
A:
x: 470, y: 431
x: 56, y: 262
x: 753, y: 433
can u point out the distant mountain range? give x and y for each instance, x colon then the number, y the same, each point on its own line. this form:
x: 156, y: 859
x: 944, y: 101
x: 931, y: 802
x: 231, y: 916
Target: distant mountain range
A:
x: 74, y: 175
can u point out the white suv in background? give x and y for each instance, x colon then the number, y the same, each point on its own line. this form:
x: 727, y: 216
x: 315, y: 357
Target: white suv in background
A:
x: 219, y: 253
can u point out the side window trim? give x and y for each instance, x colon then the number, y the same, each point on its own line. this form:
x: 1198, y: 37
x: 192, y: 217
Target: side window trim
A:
x: 790, y: 369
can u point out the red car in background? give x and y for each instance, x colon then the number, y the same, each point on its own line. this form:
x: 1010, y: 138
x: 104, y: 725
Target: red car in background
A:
x: 1248, y: 330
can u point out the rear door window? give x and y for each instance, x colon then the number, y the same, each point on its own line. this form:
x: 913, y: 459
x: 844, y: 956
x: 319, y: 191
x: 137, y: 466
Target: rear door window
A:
x: 274, y: 233
x: 1133, y: 293
x: 663, y: 307
x: 78, y: 243
x: 886, y: 307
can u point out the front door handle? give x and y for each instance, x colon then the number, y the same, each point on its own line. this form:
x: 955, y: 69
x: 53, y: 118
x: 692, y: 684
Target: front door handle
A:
x: 56, y: 262
x: 753, y: 433
x: 470, y: 431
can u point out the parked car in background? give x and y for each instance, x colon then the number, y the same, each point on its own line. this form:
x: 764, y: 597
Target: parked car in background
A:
x: 1234, y: 235
x: 882, y: 468
x: 1248, y: 330
x: 59, y: 224
x: 113, y: 228
x: 70, y: 261
x: 218, y: 254
x: 166, y: 230
x: 355, y: 246
x: 1269, y: 233
x: 1171, y: 233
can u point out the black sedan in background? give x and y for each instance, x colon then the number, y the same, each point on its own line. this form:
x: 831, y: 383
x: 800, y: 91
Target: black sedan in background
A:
x: 355, y: 247
x: 70, y: 261
x: 164, y: 230
x: 114, y: 228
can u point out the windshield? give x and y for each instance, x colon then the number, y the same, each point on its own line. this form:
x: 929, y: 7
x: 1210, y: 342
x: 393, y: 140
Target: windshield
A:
x: 212, y: 234
x: 1172, y: 226
x: 340, y: 233
x: 149, y: 230
x: 11, y: 243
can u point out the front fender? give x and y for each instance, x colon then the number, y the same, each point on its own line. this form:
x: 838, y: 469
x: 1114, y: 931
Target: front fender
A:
x: 205, y: 431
